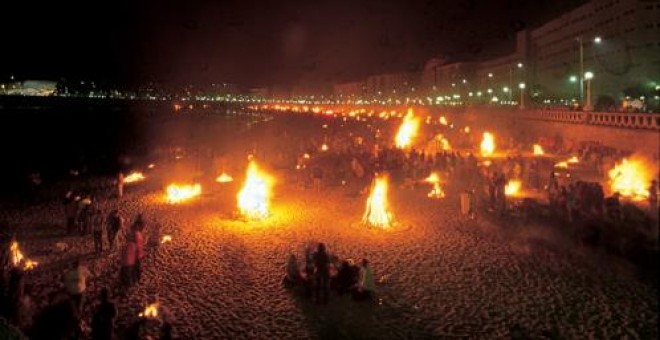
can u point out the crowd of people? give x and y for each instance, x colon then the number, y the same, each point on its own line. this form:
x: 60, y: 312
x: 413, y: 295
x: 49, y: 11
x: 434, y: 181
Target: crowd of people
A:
x: 66, y: 315
x: 322, y: 273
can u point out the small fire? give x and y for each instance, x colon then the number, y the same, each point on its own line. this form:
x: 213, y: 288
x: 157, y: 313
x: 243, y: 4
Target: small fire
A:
x: 437, y: 191
x: 443, y: 120
x: 17, y: 258
x: 466, y: 129
x: 538, y: 150
x: 407, y: 131
x: 224, y: 178
x: 29, y: 264
x: 180, y: 193
x: 324, y: 147
x: 134, y: 177
x: 564, y: 164
x: 150, y: 312
x: 165, y: 239
x: 512, y: 188
x: 306, y: 156
x: 253, y: 199
x: 151, y: 166
x: 487, y: 144
x: 377, y: 213
x: 630, y: 178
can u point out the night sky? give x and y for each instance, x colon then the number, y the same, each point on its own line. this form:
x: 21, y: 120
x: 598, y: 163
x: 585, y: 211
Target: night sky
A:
x: 253, y: 42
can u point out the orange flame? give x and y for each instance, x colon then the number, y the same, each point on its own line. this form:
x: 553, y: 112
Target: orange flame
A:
x: 538, y: 150
x: 181, y: 193
x: 253, y: 199
x: 630, y: 178
x: 17, y: 257
x: 165, y: 239
x: 407, y: 130
x: 443, y: 120
x: 151, y: 311
x: 512, y: 188
x: 437, y: 191
x: 487, y: 144
x: 324, y: 147
x: 564, y: 164
x: 133, y: 177
x: 224, y: 178
x: 377, y: 213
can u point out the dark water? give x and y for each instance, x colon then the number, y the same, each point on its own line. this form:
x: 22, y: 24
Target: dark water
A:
x: 52, y: 136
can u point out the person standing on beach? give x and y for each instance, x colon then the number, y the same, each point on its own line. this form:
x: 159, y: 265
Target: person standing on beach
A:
x: 137, y: 228
x: 115, y: 223
x: 75, y: 282
x: 103, y: 321
x: 365, y: 287
x: 128, y: 256
x: 120, y: 185
x: 321, y: 263
x: 97, y: 231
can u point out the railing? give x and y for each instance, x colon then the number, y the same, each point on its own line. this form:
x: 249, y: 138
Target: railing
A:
x: 646, y: 121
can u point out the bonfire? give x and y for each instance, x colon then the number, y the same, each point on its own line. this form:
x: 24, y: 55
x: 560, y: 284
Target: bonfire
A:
x: 487, y: 144
x: 166, y: 239
x: 253, y: 199
x: 512, y: 188
x: 324, y: 147
x: 17, y: 258
x: 133, y: 177
x: 224, y: 178
x: 630, y: 178
x: 437, y: 191
x: 150, y: 312
x: 407, y: 130
x: 180, y: 193
x: 443, y: 120
x: 377, y: 213
x: 538, y: 150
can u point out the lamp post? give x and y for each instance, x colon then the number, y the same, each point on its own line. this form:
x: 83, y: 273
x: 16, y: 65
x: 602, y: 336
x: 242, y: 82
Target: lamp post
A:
x: 521, y: 86
x: 519, y: 65
x: 588, y: 76
x: 597, y: 40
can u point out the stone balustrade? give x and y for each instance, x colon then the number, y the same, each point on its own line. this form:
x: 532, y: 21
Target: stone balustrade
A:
x: 647, y: 121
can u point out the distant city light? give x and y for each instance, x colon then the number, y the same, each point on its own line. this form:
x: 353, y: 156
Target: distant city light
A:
x: 520, y: 65
x: 505, y: 89
x: 573, y: 79
x: 521, y: 86
x: 597, y: 40
x: 490, y: 75
x: 588, y: 75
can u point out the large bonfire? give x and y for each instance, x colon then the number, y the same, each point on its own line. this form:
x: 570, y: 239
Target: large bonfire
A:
x: 487, y: 144
x: 631, y: 178
x: 377, y: 213
x: 407, y: 130
x: 437, y: 191
x: 254, y: 197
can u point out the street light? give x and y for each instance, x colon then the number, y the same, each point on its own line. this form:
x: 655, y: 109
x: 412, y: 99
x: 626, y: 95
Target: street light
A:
x: 521, y: 86
x: 598, y: 40
x: 588, y: 76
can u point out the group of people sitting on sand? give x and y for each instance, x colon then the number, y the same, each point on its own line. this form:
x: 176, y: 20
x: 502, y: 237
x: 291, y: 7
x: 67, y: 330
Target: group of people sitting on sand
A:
x: 322, y: 272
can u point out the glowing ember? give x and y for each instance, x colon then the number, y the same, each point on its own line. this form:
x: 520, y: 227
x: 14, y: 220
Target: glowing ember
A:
x: 377, y: 213
x: 306, y: 156
x: 151, y: 166
x: 134, y: 177
x: 165, y: 239
x: 564, y: 164
x: 630, y: 178
x: 151, y: 311
x: 443, y: 120
x: 466, y: 129
x: 224, y: 178
x: 538, y: 150
x: 407, y: 131
x: 324, y: 147
x: 487, y: 144
x: 253, y: 199
x: 513, y: 187
x: 437, y: 189
x: 181, y: 193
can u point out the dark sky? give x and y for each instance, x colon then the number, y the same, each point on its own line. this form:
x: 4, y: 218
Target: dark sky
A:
x: 253, y: 42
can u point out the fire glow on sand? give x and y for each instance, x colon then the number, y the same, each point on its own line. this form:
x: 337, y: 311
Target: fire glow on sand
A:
x: 254, y: 197
x: 377, y: 213
x: 150, y: 312
x: 165, y: 239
